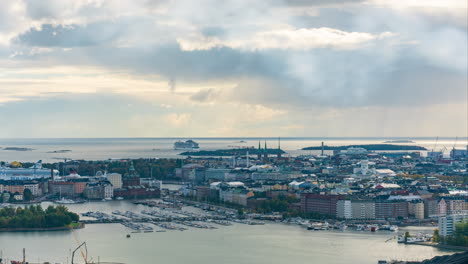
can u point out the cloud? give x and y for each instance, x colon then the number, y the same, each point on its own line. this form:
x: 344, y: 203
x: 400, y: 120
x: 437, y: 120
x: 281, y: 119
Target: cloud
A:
x: 287, y: 39
x: 178, y: 119
x: 237, y: 66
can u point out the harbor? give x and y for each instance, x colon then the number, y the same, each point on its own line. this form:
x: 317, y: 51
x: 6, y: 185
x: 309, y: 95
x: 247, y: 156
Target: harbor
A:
x: 291, y: 241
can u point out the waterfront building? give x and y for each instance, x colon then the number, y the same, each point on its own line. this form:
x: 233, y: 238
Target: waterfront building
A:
x: 320, y: 203
x: 344, y: 209
x: 442, y: 207
x: 391, y: 209
x: 455, y: 205
x: 363, y: 209
x: 416, y: 209
x: 430, y: 208
x: 447, y: 224
x: 115, y: 179
x: 34, y: 188
x: 62, y: 188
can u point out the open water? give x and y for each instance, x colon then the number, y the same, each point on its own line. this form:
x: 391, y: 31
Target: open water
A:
x: 116, y: 148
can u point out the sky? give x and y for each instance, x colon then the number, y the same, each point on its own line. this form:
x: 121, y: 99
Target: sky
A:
x: 233, y: 68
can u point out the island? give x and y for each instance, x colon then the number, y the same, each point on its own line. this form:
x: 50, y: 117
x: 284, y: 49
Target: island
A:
x: 35, y: 218
x: 60, y: 151
x: 233, y: 152
x: 369, y: 147
x: 17, y: 149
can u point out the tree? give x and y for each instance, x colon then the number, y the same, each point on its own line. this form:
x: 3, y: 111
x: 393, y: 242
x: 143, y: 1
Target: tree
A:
x: 27, y: 195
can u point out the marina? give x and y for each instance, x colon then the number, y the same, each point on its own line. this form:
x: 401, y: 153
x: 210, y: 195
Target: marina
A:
x: 291, y: 241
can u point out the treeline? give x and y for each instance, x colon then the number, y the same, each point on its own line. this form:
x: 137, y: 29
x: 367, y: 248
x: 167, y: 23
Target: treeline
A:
x: 35, y: 216
x: 458, y: 238
x: 280, y: 204
x: 160, y: 169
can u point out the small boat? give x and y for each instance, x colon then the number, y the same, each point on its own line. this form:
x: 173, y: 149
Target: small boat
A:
x: 128, y: 235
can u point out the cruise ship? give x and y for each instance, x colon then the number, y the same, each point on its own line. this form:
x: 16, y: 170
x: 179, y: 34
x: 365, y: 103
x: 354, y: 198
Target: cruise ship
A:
x: 34, y: 172
x: 186, y: 145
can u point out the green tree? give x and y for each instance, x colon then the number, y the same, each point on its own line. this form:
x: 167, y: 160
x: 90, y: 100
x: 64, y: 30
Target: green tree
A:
x: 27, y: 195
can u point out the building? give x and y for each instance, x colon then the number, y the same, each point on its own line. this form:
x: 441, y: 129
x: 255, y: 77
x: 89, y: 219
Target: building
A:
x: 448, y: 223
x: 99, y: 190
x: 344, y: 209
x: 391, y: 209
x: 235, y: 195
x: 324, y: 204
x: 363, y: 209
x: 34, y: 188
x: 115, y: 179
x: 62, y: 188
x: 150, y: 182
x: 416, y: 209
x: 430, y: 208
x: 216, y: 174
x: 355, y: 209
x: 455, y: 205
x: 442, y: 207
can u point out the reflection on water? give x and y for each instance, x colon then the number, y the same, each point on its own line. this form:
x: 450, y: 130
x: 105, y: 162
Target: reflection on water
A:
x: 271, y: 243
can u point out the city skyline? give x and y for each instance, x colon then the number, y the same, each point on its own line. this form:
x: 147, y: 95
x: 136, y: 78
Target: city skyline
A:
x: 95, y: 68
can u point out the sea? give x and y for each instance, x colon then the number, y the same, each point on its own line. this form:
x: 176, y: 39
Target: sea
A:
x: 58, y: 149
x: 237, y: 244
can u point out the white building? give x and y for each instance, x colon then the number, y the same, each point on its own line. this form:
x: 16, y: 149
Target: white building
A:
x: 108, y: 191
x: 115, y: 179
x: 447, y: 223
x: 365, y: 170
x: 355, y: 209
x: 34, y: 188
x: 344, y: 209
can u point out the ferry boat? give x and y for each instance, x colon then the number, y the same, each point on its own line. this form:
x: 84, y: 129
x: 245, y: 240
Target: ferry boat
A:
x: 186, y: 145
x: 67, y: 201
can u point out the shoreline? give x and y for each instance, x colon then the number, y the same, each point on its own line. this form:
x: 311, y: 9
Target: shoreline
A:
x: 437, y: 245
x: 43, y: 229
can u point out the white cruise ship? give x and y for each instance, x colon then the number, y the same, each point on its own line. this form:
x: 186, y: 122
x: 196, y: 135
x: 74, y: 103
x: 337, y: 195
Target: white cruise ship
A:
x: 34, y: 172
x: 186, y: 145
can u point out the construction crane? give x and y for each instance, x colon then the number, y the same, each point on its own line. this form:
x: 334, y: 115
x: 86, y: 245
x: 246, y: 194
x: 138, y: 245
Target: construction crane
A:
x: 435, y: 145
x: 455, y: 143
x: 83, y: 254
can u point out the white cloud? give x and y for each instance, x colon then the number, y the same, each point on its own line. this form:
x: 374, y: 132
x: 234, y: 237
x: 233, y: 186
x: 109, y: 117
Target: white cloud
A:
x: 287, y: 39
